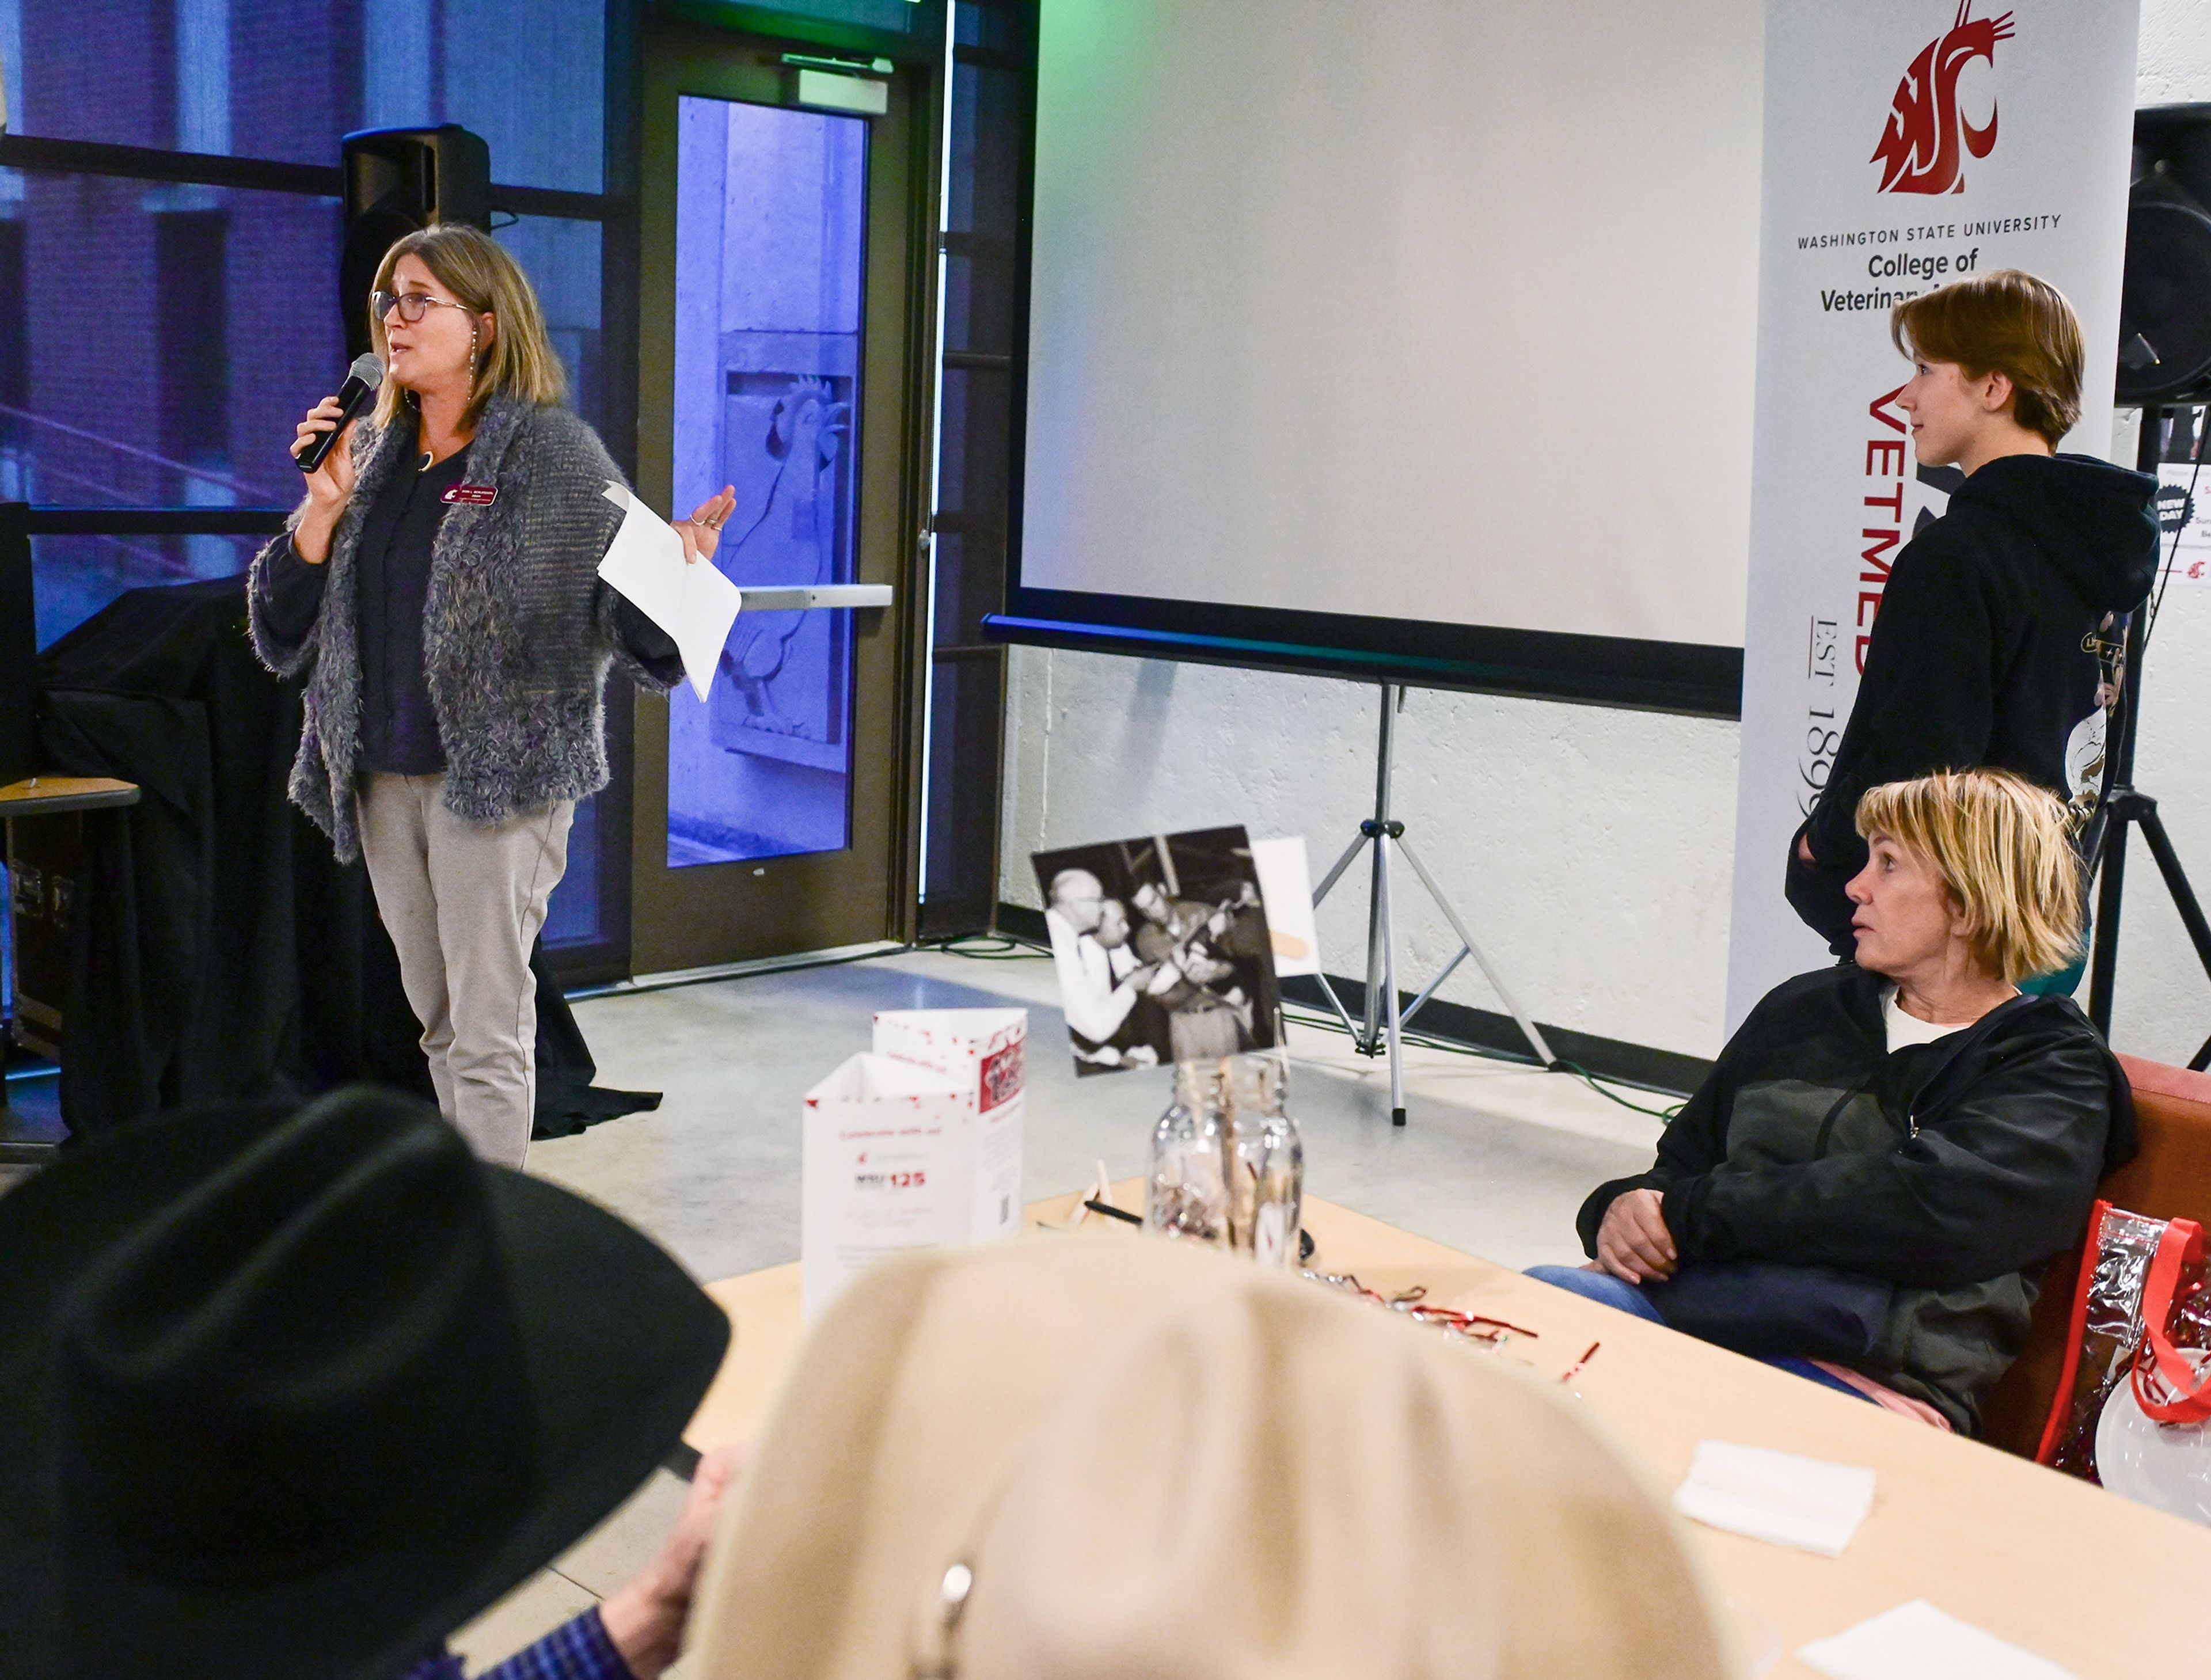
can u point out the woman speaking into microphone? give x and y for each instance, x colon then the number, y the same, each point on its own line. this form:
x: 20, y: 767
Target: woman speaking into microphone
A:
x: 440, y: 590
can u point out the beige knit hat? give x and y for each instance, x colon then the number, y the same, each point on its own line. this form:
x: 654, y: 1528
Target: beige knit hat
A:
x: 1074, y: 1459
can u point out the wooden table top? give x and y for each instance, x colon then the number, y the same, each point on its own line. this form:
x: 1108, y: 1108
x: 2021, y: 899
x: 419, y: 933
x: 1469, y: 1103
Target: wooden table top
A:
x: 2081, y: 1577
x: 50, y: 795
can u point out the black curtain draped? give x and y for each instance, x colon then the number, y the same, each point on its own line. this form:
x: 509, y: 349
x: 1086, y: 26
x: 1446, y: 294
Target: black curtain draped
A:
x: 219, y: 950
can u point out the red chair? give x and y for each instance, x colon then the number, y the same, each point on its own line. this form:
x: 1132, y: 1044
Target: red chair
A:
x: 2170, y: 1179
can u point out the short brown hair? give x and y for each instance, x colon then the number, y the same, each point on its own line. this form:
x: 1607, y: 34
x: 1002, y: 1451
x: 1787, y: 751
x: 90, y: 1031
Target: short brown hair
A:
x: 1999, y: 843
x: 2008, y: 322
x: 486, y: 280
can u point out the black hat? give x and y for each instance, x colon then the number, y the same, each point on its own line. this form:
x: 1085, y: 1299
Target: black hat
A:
x: 286, y: 1395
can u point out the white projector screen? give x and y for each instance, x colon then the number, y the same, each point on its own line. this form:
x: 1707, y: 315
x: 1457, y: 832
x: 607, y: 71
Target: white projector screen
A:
x: 1411, y: 339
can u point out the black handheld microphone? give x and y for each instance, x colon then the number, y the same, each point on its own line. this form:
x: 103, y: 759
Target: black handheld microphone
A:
x: 362, y: 381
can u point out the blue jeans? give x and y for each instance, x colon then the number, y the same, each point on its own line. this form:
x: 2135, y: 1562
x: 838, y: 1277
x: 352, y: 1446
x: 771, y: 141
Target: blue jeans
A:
x: 1618, y: 1292
x: 1601, y: 1286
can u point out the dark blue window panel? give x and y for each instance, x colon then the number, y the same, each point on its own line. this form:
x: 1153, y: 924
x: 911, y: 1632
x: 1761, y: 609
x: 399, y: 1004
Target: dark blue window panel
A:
x: 561, y: 258
x: 281, y: 80
x: 161, y: 343
x: 572, y: 917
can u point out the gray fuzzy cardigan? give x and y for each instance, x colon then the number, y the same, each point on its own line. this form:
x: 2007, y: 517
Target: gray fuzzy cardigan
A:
x: 517, y: 635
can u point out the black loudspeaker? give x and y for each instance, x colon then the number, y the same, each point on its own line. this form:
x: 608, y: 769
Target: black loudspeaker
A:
x: 398, y: 181
x: 2165, y: 311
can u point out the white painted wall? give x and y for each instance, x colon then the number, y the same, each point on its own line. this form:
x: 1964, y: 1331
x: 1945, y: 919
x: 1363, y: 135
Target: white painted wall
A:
x: 1590, y: 848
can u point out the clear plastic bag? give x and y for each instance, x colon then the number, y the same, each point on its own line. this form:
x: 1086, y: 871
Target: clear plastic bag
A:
x: 2139, y: 1309
x: 2153, y: 1443
x: 2106, y: 1331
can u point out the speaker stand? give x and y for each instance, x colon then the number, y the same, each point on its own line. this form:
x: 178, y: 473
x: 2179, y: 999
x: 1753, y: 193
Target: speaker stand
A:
x: 2127, y: 806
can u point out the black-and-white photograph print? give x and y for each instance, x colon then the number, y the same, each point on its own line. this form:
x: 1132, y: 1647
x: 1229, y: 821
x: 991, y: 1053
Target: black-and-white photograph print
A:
x: 1161, y: 948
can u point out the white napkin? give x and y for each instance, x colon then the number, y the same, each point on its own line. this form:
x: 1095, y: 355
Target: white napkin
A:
x: 1807, y: 1503
x: 696, y: 604
x: 1917, y: 1641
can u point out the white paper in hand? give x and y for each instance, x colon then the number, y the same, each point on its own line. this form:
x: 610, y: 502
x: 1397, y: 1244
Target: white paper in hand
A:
x: 1779, y: 1497
x: 1917, y: 1641
x: 696, y: 604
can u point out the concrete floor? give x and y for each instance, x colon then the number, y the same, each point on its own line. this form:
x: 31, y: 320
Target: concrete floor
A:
x: 1496, y: 1160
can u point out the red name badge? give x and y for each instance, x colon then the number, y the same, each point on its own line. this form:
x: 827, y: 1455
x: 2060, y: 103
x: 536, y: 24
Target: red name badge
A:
x: 476, y: 495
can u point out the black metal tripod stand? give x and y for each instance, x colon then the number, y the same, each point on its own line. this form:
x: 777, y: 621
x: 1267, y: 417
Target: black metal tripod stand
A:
x: 1382, y: 1030
x: 2126, y: 805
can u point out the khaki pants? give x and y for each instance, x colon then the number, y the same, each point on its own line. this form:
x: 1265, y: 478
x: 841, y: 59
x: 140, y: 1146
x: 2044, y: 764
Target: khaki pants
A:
x: 464, y: 904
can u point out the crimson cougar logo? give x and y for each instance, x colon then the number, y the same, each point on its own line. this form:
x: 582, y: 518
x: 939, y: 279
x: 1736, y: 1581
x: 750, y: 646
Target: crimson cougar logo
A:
x: 1920, y: 149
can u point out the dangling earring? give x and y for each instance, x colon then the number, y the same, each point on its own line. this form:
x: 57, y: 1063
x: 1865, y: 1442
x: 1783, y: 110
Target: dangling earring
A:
x: 473, y: 340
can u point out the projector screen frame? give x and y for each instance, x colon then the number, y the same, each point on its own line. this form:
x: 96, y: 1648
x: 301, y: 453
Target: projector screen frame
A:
x: 1629, y: 673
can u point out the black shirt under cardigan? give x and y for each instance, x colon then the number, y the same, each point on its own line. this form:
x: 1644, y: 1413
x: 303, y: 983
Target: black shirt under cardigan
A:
x: 398, y: 531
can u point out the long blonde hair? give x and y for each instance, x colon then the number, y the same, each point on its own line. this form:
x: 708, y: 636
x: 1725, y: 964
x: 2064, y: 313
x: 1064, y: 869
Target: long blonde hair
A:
x: 485, y: 280
x: 1999, y: 844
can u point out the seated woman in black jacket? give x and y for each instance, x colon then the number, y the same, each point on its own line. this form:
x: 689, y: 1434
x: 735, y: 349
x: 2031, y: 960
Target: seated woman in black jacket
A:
x: 1886, y: 1151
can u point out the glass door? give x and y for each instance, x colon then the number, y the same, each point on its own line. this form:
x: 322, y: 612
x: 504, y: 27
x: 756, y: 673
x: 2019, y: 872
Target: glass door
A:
x: 780, y: 306
x: 770, y: 239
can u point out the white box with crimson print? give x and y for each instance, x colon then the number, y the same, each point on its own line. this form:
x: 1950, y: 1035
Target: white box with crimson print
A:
x: 982, y: 1050
x: 917, y: 1144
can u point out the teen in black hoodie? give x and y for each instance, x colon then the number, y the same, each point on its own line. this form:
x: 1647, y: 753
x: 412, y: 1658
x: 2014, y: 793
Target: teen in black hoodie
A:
x: 1987, y: 650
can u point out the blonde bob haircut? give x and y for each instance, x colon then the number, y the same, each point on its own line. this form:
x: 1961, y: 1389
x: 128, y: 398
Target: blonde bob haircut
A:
x: 1999, y: 845
x: 2008, y: 322
x: 484, y: 279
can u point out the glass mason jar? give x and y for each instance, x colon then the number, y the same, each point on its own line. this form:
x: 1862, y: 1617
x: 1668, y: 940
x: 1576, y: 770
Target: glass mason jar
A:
x: 1269, y: 1180
x: 1186, y: 1196
x: 1228, y: 1165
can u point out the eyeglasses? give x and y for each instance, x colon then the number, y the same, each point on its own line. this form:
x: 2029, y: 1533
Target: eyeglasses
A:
x: 412, y: 305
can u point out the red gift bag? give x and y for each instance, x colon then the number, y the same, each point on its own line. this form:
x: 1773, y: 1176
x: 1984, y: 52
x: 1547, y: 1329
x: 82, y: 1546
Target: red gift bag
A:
x: 2139, y: 1302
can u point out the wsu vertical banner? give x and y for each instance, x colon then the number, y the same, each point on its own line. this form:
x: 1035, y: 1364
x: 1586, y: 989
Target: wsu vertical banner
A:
x: 1907, y: 142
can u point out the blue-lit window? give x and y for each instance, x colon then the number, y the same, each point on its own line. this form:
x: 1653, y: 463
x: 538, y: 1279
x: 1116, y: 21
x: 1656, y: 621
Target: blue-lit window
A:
x: 163, y: 342
x: 158, y: 342
x: 244, y: 78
